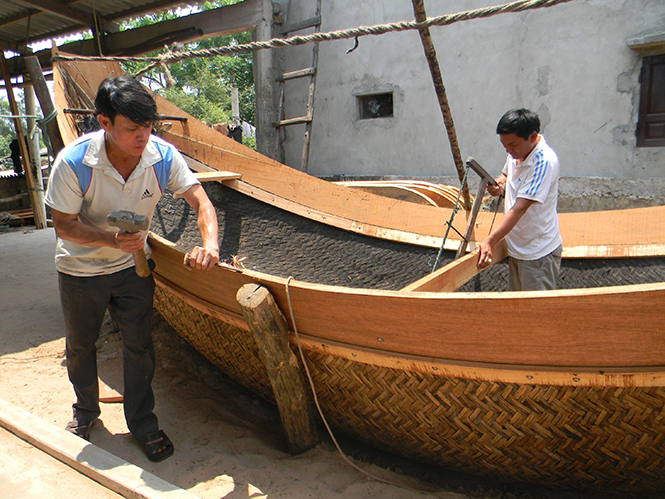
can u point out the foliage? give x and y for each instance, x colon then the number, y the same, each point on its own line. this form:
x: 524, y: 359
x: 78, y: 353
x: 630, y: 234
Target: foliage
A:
x: 7, y: 130
x: 202, y: 85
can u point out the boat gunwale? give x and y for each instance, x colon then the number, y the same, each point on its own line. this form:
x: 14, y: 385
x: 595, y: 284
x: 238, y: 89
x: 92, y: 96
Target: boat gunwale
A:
x: 597, y: 377
x: 484, y: 295
x: 552, y: 329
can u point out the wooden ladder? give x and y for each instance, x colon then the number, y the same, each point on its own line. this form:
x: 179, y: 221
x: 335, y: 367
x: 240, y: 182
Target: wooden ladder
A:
x: 313, y: 22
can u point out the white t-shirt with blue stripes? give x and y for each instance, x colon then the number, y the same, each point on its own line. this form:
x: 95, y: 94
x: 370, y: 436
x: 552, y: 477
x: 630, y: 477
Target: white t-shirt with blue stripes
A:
x: 537, y: 178
x: 84, y: 182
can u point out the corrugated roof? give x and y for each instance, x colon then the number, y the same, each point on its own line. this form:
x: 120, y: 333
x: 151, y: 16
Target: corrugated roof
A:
x: 39, y: 20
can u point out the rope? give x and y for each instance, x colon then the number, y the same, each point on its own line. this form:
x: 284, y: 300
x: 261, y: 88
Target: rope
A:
x: 320, y: 411
x: 45, y: 136
x: 379, y: 29
x: 449, y: 223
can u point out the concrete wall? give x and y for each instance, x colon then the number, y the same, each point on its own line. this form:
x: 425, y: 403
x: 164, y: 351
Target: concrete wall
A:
x: 569, y: 63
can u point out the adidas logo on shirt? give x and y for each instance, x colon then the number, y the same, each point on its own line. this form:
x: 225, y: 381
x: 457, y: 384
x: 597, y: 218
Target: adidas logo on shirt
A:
x: 146, y: 194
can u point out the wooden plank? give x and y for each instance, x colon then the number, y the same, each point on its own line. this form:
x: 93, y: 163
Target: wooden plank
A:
x: 158, y: 117
x: 307, y: 23
x: 332, y: 220
x: 502, y: 373
x: 216, y: 175
x: 395, y: 191
x: 296, y: 74
x: 294, y: 121
x: 45, y: 101
x: 454, y: 275
x: 110, y: 471
x: 69, y: 13
x: 597, y: 328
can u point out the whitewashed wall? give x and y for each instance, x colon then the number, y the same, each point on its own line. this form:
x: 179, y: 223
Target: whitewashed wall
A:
x: 569, y: 63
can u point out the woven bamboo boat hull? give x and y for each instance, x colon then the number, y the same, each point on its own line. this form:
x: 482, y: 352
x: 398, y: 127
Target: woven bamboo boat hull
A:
x: 585, y: 416
x: 564, y: 388
x: 583, y: 437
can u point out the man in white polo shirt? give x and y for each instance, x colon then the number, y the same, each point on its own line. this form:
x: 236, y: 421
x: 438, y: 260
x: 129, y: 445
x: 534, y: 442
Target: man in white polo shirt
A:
x: 121, y: 167
x: 530, y: 180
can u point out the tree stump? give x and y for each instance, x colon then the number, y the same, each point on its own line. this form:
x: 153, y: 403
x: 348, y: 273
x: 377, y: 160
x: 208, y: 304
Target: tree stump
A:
x: 271, y: 333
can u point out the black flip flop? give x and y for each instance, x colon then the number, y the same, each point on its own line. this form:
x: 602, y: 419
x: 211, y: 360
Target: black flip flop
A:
x: 80, y: 428
x: 153, y: 442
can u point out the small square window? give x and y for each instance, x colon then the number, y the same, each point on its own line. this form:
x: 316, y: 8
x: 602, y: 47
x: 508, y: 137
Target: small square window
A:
x: 375, y: 106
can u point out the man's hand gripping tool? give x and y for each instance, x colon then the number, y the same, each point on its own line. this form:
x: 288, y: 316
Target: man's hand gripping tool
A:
x: 132, y: 222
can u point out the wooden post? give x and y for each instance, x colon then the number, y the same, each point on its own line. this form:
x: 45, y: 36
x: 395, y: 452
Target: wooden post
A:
x: 44, y: 96
x: 435, y: 70
x: 40, y: 222
x: 271, y: 333
x: 263, y: 81
x: 33, y: 148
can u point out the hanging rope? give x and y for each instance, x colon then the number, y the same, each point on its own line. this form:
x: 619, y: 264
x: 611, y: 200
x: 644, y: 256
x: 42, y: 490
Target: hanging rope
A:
x: 42, y: 122
x: 380, y: 29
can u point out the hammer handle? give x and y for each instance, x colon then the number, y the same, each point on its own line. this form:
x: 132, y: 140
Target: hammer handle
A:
x: 141, y: 263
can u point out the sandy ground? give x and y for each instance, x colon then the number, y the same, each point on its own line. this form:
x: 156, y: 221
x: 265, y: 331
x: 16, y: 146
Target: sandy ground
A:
x: 228, y: 442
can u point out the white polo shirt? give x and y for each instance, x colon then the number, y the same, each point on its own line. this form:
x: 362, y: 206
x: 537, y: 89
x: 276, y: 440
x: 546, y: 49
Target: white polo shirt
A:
x: 84, y: 182
x: 537, y: 178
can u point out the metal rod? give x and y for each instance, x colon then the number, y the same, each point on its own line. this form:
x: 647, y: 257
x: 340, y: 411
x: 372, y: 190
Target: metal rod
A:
x: 160, y: 117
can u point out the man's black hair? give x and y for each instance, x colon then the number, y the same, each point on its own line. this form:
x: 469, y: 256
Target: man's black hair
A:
x: 125, y: 95
x: 521, y: 122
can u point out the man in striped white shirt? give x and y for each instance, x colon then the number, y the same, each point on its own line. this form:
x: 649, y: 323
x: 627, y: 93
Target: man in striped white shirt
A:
x: 530, y: 225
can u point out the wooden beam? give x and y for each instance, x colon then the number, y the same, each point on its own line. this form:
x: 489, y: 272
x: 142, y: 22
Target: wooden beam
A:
x: 449, y: 278
x: 227, y: 20
x: 158, y: 117
x: 44, y: 96
x: 263, y: 76
x: 110, y: 471
x: 69, y: 13
x: 30, y: 13
x: 219, y: 176
x: 292, y: 394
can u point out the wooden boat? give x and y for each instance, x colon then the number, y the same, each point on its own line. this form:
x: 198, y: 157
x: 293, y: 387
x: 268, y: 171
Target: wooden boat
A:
x: 565, y: 388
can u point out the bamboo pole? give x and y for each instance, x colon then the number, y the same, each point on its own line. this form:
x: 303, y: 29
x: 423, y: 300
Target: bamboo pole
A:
x: 33, y: 148
x: 40, y: 222
x: 435, y: 70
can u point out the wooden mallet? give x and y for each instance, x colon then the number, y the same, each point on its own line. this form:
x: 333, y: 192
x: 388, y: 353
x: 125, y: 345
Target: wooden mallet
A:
x: 132, y: 222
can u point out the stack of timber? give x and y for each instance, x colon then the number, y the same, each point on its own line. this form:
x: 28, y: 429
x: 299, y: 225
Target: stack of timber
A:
x: 564, y: 387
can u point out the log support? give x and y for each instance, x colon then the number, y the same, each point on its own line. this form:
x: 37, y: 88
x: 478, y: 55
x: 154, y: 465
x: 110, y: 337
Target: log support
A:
x: 271, y: 333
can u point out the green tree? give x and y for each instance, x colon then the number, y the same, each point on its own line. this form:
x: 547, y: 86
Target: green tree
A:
x: 202, y: 85
x: 7, y: 130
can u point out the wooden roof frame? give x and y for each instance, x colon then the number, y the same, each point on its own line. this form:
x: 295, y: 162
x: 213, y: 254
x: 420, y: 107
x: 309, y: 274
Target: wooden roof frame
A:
x: 224, y: 20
